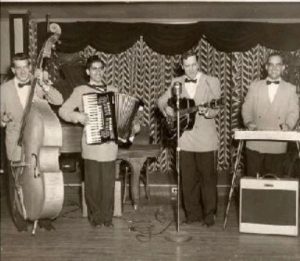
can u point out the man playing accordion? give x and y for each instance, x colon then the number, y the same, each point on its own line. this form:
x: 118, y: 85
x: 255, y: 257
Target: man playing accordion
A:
x: 99, y: 159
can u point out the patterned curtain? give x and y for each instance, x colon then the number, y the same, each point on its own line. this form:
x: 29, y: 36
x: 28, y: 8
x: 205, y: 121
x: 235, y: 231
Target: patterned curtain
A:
x: 143, y: 73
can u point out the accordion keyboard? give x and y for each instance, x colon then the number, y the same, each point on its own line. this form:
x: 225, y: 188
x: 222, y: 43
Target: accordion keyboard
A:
x: 100, y: 110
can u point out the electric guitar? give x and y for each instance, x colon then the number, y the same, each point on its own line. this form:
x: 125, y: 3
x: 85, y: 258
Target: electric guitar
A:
x: 187, y: 114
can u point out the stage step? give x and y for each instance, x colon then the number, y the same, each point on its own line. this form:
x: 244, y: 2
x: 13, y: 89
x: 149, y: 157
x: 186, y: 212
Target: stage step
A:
x: 161, y: 186
x: 164, y: 185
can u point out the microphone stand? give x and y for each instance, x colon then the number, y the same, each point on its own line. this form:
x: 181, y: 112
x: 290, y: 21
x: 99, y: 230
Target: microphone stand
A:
x: 178, y: 236
x: 178, y: 160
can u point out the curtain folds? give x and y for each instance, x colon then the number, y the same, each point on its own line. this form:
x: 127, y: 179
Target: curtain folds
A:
x: 171, y: 39
x: 108, y: 37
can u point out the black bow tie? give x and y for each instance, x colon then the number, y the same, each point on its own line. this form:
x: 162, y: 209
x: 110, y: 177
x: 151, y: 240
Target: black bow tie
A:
x: 21, y: 85
x: 274, y: 82
x: 190, y: 80
x: 101, y: 87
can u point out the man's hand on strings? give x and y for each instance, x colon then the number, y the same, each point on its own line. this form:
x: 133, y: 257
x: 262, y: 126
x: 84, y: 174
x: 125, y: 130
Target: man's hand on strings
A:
x: 169, y: 112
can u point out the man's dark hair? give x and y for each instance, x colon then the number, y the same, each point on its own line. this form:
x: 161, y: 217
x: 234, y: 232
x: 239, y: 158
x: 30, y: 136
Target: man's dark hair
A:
x: 93, y: 59
x: 19, y: 57
x: 187, y: 55
x: 276, y: 54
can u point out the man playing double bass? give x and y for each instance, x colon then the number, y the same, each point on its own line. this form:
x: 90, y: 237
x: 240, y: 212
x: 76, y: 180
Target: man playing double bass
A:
x: 198, y: 146
x: 14, y: 96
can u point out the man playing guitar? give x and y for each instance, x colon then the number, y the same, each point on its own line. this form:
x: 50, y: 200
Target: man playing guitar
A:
x: 198, y: 146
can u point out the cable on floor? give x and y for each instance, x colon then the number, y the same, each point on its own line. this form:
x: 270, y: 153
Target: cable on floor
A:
x: 145, y: 228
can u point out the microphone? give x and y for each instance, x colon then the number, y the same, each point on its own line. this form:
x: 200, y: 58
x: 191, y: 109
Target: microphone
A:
x: 177, y: 89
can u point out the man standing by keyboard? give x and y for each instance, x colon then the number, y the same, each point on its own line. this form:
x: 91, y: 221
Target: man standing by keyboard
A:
x: 270, y: 104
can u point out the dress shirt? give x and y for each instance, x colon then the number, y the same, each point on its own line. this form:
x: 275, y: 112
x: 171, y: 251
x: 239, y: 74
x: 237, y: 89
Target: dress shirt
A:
x: 272, y: 90
x: 22, y: 92
x: 192, y: 87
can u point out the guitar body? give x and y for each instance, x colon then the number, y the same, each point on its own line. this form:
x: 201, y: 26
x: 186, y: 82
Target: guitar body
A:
x: 187, y: 121
x: 39, y: 183
x: 187, y: 113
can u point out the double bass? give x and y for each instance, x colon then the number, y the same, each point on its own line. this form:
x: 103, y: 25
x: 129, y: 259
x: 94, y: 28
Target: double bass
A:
x: 38, y: 180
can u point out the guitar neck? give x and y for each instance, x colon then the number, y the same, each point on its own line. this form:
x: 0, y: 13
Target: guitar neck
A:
x: 189, y: 110
x: 210, y: 104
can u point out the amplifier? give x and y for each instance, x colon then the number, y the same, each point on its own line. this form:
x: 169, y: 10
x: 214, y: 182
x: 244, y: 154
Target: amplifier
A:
x: 269, y: 206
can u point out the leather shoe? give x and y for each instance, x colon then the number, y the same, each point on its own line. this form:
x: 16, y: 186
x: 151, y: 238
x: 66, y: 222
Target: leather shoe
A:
x: 209, y: 220
x: 98, y: 226
x: 187, y: 222
x: 108, y: 224
x: 191, y: 220
x: 95, y: 224
x: 46, y: 224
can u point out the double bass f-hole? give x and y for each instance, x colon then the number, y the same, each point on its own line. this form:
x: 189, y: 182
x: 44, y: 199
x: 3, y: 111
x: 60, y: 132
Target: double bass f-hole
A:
x: 36, y: 173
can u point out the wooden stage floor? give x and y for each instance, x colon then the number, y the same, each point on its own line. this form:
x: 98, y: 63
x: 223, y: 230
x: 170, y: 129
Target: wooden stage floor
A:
x: 140, y: 235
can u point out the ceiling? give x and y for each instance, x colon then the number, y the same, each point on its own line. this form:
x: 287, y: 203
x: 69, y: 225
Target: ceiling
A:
x: 173, y: 12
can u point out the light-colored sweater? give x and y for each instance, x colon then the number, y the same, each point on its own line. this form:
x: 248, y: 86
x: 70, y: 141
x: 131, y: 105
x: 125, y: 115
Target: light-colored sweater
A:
x: 203, y: 136
x: 101, y: 152
x: 257, y: 109
x: 11, y: 104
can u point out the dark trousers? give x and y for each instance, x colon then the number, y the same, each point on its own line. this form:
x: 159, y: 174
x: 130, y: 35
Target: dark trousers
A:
x: 199, y: 184
x: 99, y: 178
x: 264, y: 163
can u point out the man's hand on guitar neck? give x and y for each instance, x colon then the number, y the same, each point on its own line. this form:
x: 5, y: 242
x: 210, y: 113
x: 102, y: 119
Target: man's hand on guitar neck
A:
x: 208, y: 113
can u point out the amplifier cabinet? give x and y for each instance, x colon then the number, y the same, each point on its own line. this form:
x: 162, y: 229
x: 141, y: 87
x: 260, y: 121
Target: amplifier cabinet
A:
x: 269, y: 206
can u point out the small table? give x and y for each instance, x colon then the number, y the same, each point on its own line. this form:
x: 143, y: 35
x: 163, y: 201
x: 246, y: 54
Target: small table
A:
x: 136, y: 155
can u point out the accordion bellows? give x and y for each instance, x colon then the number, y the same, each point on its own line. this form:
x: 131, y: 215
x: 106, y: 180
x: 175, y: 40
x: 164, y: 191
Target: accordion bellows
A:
x: 110, y: 116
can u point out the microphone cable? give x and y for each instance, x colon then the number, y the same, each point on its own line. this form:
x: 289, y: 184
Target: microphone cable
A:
x: 145, y: 228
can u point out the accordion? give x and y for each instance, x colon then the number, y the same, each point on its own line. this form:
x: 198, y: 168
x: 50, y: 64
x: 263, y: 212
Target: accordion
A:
x: 110, y: 116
